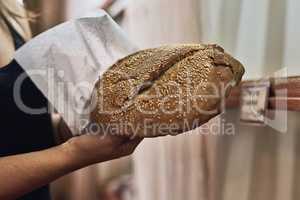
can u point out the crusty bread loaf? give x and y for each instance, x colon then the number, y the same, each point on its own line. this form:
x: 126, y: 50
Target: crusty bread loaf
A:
x: 164, y: 91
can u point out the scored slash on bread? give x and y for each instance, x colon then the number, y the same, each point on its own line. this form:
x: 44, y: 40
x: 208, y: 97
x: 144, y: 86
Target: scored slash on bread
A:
x: 164, y: 91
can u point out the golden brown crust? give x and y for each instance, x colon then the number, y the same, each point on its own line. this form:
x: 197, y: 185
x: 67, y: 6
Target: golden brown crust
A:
x: 164, y: 91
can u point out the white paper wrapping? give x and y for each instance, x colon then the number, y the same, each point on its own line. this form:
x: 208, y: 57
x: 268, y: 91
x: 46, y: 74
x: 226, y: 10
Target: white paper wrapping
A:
x: 66, y: 61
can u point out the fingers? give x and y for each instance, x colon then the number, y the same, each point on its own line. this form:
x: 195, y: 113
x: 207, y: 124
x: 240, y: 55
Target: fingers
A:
x: 115, y: 140
x: 129, y: 146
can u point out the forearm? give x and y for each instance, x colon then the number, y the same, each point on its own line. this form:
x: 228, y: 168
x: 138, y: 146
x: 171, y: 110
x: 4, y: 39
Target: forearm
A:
x: 21, y: 174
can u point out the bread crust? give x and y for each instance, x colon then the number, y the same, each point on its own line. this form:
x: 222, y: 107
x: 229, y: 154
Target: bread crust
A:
x: 164, y: 91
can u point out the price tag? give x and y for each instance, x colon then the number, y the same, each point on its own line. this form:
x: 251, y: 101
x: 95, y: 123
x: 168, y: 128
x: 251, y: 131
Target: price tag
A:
x: 254, y: 101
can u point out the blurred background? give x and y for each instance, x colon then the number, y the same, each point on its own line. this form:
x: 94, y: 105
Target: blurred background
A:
x: 257, y: 163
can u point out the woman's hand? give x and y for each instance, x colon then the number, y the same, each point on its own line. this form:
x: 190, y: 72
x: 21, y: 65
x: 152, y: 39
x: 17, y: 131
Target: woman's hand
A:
x: 33, y: 170
x: 90, y: 149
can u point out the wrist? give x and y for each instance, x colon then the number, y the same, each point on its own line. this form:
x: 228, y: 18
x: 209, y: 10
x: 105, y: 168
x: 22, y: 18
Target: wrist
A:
x: 74, y: 157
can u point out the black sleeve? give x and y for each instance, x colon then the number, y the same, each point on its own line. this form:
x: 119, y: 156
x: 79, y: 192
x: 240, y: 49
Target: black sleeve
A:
x: 20, y: 131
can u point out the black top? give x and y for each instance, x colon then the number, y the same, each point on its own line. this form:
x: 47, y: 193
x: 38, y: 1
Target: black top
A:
x: 22, y: 132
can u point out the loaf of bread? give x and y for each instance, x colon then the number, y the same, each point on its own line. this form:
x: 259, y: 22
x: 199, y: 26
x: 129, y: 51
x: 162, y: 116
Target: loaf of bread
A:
x: 164, y: 91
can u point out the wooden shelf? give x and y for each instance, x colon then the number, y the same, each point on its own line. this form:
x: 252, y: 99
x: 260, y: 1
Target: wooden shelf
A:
x: 284, y: 94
